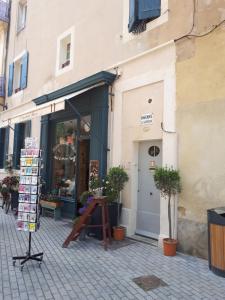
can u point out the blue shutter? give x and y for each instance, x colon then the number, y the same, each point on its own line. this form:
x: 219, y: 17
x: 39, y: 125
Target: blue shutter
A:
x: 133, y: 10
x: 149, y: 9
x: 10, y: 79
x: 18, y: 144
x: 2, y: 147
x: 24, y: 71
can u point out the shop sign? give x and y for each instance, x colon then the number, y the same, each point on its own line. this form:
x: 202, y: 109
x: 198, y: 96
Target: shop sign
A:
x: 147, y: 119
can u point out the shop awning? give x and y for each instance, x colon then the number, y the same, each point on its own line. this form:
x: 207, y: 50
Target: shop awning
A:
x: 10, y: 117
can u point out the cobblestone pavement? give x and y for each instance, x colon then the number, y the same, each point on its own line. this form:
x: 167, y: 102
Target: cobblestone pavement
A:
x: 85, y: 271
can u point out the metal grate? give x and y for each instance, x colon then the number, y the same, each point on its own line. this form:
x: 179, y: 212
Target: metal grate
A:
x: 149, y: 282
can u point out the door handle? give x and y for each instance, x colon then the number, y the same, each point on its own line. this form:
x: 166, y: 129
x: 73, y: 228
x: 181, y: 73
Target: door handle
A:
x: 151, y: 193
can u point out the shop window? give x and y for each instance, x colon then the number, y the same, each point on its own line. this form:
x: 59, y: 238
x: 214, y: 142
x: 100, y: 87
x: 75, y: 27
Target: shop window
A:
x: 64, y: 158
x: 4, y: 145
x: 22, y: 15
x: 18, y: 72
x: 21, y: 131
x: 64, y: 52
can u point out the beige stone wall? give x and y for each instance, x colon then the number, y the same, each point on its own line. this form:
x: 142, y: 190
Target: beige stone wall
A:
x: 200, y: 74
x: 98, y: 34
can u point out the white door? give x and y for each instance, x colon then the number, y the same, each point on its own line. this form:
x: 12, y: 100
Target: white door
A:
x: 148, y: 205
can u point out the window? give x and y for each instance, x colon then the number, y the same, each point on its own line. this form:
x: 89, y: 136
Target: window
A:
x: 64, y: 158
x: 21, y: 131
x: 18, y: 74
x: 4, y: 144
x: 141, y: 12
x: 22, y: 15
x: 64, y: 52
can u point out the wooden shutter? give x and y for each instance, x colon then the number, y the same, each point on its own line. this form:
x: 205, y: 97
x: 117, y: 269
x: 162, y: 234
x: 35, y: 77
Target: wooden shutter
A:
x: 24, y: 71
x: 133, y: 10
x: 18, y: 144
x: 10, y: 80
x: 2, y: 147
x: 149, y: 9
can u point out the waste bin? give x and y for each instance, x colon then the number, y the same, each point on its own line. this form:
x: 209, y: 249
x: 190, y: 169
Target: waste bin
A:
x: 216, y: 240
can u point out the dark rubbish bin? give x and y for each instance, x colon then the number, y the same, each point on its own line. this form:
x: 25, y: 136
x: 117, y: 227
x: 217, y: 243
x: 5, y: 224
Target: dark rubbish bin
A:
x: 216, y: 242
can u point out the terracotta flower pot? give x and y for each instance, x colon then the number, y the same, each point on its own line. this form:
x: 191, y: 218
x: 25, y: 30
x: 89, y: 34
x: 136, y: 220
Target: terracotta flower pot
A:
x: 169, y: 247
x: 118, y: 233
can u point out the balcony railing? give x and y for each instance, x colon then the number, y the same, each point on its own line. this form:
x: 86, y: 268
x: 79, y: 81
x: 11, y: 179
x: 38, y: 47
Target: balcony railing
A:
x: 2, y: 86
x: 4, y: 11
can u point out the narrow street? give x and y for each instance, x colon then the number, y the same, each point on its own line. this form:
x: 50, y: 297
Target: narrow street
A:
x: 85, y: 271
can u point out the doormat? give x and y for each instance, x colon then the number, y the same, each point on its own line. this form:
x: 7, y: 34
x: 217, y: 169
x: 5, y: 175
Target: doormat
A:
x: 149, y: 282
x: 120, y: 244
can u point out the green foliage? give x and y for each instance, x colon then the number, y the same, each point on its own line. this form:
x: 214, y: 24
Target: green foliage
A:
x: 167, y: 180
x: 94, y: 183
x: 117, y: 178
x: 84, y: 197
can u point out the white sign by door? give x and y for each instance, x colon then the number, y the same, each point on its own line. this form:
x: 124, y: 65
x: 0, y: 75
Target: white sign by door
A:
x: 147, y: 119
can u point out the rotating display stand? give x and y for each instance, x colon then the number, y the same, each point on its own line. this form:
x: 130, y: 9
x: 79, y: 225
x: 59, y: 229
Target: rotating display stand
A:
x: 29, y: 193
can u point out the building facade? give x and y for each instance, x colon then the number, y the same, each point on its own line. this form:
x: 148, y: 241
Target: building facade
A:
x: 106, y: 81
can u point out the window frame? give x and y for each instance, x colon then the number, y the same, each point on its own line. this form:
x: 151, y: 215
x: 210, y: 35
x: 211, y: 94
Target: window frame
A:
x: 21, y: 15
x: 59, y: 70
x: 163, y: 18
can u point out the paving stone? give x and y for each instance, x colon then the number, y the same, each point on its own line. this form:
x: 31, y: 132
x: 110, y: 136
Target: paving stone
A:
x: 85, y: 271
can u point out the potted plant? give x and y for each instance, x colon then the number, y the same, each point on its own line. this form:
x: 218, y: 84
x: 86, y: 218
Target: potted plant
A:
x: 51, y: 200
x: 167, y: 180
x: 9, y: 190
x: 114, y: 184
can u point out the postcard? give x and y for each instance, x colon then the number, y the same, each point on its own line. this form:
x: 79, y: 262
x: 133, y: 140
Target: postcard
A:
x: 26, y: 207
x: 27, y: 189
x: 23, y: 162
x: 34, y: 189
x: 25, y: 226
x: 34, y: 180
x: 27, y: 198
x: 23, y: 153
x: 33, y: 198
x: 28, y: 179
x: 28, y: 161
x: 21, y: 206
x: 35, y: 171
x: 22, y: 188
x: 20, y: 225
x: 32, y: 218
x: 33, y: 208
x: 23, y: 171
x: 32, y: 227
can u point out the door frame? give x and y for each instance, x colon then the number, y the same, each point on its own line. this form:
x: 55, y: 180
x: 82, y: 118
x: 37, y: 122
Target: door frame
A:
x: 143, y: 232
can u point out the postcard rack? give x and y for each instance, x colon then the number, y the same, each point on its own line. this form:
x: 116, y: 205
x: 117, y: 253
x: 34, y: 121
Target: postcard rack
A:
x: 29, y: 193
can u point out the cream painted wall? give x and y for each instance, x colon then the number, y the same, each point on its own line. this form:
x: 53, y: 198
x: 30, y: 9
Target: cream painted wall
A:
x: 201, y: 126
x: 149, y: 77
x: 98, y: 39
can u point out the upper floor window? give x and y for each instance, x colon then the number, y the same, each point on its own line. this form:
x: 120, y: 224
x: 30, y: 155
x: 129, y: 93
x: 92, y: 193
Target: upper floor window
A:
x: 22, y: 15
x: 64, y: 60
x: 141, y: 12
x: 18, y: 70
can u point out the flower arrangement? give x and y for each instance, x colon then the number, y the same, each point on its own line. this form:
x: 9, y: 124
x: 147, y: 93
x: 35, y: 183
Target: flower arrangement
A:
x: 9, y: 184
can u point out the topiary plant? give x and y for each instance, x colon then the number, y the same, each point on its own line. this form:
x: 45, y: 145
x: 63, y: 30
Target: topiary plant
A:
x: 167, y: 180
